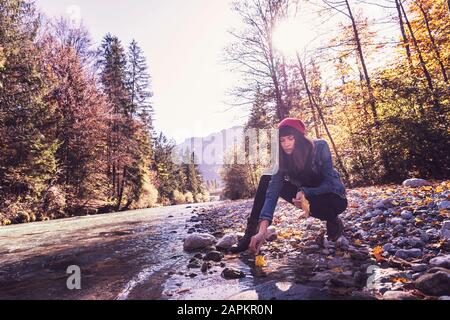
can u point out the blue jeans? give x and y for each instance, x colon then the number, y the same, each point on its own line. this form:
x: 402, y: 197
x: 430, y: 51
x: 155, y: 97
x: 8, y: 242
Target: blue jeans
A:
x: 325, y: 207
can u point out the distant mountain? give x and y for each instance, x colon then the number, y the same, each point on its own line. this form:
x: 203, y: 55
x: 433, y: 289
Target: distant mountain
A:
x: 210, y: 151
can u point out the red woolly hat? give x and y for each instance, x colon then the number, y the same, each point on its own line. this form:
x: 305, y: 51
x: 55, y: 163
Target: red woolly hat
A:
x: 294, y: 123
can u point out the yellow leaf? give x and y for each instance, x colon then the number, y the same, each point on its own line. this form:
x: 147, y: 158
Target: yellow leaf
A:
x: 402, y: 280
x: 337, y: 270
x: 377, y: 253
x: 427, y: 188
x: 357, y: 242
x: 439, y: 189
x: 260, y: 261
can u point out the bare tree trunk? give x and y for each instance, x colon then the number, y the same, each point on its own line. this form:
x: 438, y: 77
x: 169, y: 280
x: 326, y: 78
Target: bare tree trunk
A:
x: 121, y: 188
x: 352, y: 137
x: 310, y: 99
x: 422, y: 61
x: 364, y: 66
x: 405, y: 38
x: 281, y: 109
x: 433, y: 42
x: 314, y: 104
x: 366, y: 113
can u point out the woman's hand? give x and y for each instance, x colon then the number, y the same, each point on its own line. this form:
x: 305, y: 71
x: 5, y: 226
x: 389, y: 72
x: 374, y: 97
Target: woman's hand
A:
x: 256, y: 242
x: 302, y: 203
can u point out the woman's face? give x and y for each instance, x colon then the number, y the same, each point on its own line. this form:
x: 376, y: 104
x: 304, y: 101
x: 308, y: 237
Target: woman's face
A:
x: 288, y: 143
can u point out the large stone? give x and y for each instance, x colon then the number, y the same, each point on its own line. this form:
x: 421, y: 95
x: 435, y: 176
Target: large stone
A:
x: 419, y: 267
x: 321, y: 277
x: 231, y: 273
x: 397, y: 221
x: 445, y: 231
x: 342, y: 242
x: 271, y: 233
x: 213, y: 256
x: 443, y: 261
x: 434, y: 284
x: 408, y: 253
x: 415, y: 242
x: 276, y: 290
x: 342, y: 280
x: 384, y: 203
x: 405, y: 214
x: 415, y: 182
x: 444, y: 205
x: 227, y: 241
x: 197, y: 241
x: 398, y: 295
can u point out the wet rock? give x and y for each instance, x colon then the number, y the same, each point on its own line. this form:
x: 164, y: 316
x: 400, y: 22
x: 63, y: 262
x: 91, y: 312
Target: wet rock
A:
x: 408, y: 253
x: 342, y: 242
x: 419, y: 267
x: 311, y: 248
x: 321, y: 277
x: 231, y: 273
x: 385, y: 203
x: 227, y: 241
x: 271, y: 233
x: 443, y: 261
x: 276, y: 290
x: 415, y: 182
x: 399, y: 229
x: 194, y: 264
x: 389, y: 247
x: 444, y: 298
x: 432, y: 233
x: 415, y: 242
x: 359, y: 255
x: 336, y: 262
x: 405, y: 214
x: 205, y: 266
x: 396, y: 221
x: 445, y: 231
x: 342, y: 280
x: 195, y: 219
x: 198, y: 256
x: 368, y: 216
x: 213, y: 256
x: 424, y: 236
x: 444, y: 205
x: 434, y: 284
x: 398, y: 295
x: 198, y: 241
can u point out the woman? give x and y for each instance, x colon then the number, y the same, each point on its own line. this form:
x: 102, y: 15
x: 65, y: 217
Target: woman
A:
x: 305, y: 178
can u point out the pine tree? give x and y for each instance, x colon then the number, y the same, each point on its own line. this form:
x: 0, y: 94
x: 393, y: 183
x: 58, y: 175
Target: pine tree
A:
x: 27, y: 150
x: 138, y: 83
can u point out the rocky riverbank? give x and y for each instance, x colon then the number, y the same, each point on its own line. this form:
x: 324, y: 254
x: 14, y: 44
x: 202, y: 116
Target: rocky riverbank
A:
x: 395, y: 245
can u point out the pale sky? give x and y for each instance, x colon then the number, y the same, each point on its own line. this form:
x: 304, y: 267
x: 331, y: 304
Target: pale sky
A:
x: 183, y: 42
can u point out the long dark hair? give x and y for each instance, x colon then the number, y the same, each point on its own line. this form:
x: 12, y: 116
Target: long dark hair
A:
x: 300, y: 159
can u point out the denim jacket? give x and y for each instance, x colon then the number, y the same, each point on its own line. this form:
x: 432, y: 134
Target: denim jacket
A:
x: 323, y: 164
